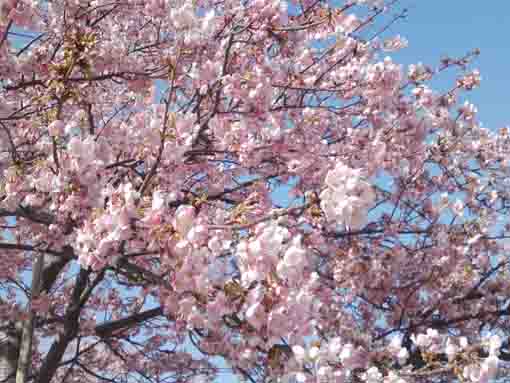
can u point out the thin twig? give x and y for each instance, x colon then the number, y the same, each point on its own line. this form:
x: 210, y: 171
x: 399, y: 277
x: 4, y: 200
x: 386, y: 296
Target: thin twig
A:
x: 6, y: 32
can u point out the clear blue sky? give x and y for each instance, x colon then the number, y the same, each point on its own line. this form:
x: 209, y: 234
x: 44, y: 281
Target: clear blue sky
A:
x: 454, y: 27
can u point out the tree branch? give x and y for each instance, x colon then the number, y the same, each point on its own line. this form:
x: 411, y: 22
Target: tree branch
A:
x: 107, y: 329
x: 71, y: 326
x: 6, y: 32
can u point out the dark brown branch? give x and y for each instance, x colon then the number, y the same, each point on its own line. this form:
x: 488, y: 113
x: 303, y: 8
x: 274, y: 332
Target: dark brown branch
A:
x: 51, y: 362
x: 107, y: 329
x: 6, y: 32
x: 30, y: 214
x: 20, y: 52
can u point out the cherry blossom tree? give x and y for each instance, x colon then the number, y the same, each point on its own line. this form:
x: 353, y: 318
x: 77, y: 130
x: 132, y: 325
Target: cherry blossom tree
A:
x: 142, y: 145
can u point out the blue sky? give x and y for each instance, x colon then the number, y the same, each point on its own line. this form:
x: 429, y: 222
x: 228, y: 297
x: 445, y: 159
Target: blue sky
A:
x: 454, y: 27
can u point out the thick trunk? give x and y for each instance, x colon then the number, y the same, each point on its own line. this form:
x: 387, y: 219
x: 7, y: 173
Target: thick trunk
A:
x: 25, y: 353
x: 9, y: 347
x: 81, y: 294
x: 10, y: 339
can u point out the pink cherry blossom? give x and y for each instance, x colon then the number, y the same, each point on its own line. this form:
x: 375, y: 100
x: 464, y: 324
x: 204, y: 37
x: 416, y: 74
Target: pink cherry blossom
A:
x: 252, y: 184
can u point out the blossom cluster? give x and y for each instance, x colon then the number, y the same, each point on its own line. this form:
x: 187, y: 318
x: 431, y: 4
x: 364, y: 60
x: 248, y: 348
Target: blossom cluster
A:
x: 347, y: 196
x: 337, y: 361
x: 247, y: 178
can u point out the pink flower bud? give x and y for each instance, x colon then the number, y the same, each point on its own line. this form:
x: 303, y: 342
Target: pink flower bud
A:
x: 183, y: 220
x: 56, y: 128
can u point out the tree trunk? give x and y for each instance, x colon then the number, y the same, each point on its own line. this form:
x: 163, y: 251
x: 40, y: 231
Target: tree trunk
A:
x: 9, y: 349
x: 25, y: 351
